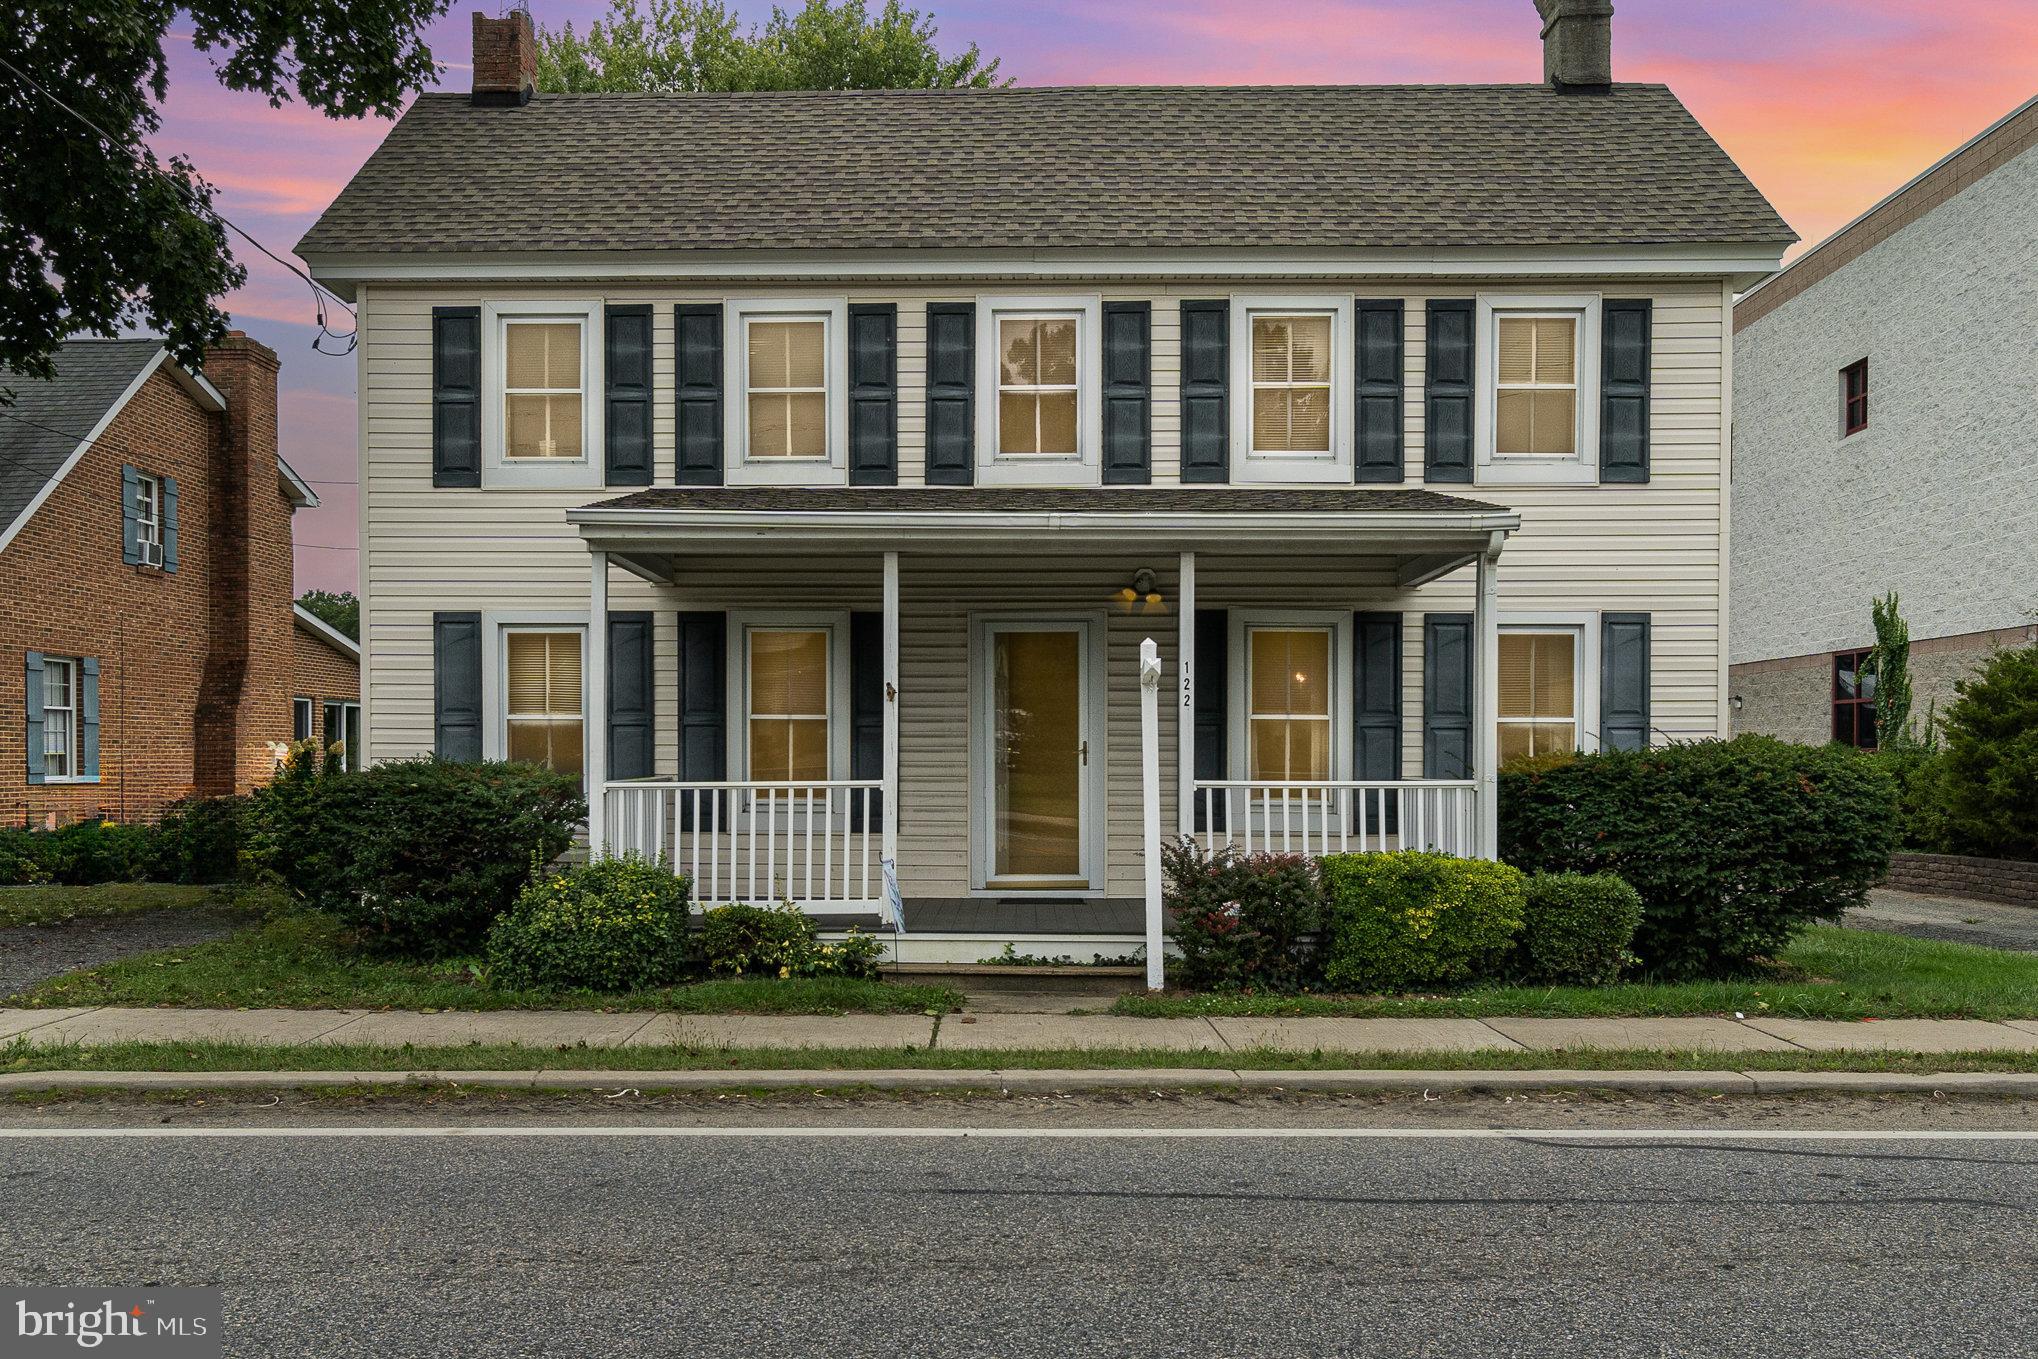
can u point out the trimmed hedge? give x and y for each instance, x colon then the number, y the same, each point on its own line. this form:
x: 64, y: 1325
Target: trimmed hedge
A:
x: 420, y: 856
x: 1988, y: 777
x: 1240, y: 919
x: 1578, y: 929
x: 1734, y: 845
x: 617, y: 925
x: 1413, y: 919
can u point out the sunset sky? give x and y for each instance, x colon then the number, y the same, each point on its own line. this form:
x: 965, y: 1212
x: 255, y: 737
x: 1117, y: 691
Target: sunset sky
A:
x: 1827, y: 104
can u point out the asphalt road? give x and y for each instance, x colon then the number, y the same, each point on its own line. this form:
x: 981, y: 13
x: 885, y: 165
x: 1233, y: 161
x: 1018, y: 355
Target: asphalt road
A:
x: 753, y: 1244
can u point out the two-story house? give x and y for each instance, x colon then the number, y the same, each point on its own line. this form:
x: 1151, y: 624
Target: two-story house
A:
x: 806, y: 469
x: 145, y: 584
x: 1887, y: 390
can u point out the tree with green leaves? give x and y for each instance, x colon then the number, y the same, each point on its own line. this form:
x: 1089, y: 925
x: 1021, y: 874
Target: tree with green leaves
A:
x: 669, y: 46
x: 99, y: 233
x: 1890, y: 663
x: 340, y: 610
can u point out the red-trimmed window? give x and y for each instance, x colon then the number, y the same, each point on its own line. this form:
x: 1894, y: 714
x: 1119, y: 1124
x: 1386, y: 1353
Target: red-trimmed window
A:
x: 1854, y: 698
x: 1854, y: 397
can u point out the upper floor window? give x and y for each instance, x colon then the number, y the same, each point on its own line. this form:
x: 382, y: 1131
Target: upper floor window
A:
x: 59, y: 718
x: 1854, y: 698
x: 544, y: 399
x: 1288, y: 714
x: 1291, y: 384
x: 1037, y: 385
x: 786, y: 421
x: 1538, y: 389
x: 148, y: 519
x: 1292, y: 374
x: 1854, y: 398
x: 1039, y: 405
x: 544, y: 707
x: 787, y: 386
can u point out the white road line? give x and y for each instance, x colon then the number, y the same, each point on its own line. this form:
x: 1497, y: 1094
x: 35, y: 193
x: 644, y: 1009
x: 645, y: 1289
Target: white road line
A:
x: 1057, y: 1134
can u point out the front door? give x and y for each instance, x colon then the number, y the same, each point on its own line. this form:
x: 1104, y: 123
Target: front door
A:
x: 1033, y: 755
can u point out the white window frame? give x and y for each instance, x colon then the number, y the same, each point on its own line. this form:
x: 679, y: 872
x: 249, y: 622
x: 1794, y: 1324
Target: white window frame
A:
x: 74, y: 696
x: 148, y: 518
x: 303, y: 716
x: 495, y: 628
x: 350, y: 758
x: 739, y: 468
x: 1334, y: 466
x: 1245, y: 622
x: 1584, y: 629
x: 1085, y: 468
x: 835, y: 623
x: 497, y: 468
x: 1582, y: 468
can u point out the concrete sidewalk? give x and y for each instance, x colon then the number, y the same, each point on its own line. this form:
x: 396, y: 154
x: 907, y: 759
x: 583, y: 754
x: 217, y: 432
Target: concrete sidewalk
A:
x: 1004, y: 1032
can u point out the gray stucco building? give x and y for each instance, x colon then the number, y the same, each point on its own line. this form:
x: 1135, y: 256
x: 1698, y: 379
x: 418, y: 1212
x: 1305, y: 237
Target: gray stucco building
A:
x: 1885, y: 437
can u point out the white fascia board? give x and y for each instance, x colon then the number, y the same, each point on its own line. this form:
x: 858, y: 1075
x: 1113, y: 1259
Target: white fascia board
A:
x: 342, y: 272
x: 325, y: 632
x: 294, y: 486
x: 8, y: 533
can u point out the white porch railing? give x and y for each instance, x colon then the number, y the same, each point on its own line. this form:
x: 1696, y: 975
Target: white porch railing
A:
x: 1339, y: 817
x: 817, y: 845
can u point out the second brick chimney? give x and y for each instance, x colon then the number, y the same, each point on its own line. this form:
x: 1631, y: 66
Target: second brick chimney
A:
x: 1577, y: 45
x: 505, y: 59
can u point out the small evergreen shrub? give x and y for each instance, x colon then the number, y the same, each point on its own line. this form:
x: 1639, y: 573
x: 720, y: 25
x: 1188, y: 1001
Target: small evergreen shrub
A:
x: 200, y: 840
x: 420, y: 856
x: 616, y: 925
x: 1919, y: 777
x: 1414, y: 919
x: 1577, y: 929
x: 1240, y: 920
x: 1990, y: 771
x: 781, y: 941
x: 95, y: 851
x: 1734, y: 845
x: 21, y: 857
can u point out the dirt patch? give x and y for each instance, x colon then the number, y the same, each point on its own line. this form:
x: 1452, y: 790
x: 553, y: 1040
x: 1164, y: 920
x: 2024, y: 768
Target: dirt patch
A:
x: 35, y: 953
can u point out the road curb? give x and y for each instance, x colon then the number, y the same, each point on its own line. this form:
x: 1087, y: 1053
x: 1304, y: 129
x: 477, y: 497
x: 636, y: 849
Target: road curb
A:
x: 1158, y: 1079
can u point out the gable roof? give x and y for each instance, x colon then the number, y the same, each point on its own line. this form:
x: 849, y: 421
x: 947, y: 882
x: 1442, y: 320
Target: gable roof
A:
x: 1207, y: 168
x: 50, y: 424
x: 311, y: 624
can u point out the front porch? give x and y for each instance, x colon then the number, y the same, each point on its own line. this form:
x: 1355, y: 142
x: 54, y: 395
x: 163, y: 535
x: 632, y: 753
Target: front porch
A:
x: 971, y: 771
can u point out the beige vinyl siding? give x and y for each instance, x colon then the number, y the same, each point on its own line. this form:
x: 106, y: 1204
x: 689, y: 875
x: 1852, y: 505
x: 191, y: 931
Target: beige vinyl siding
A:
x: 1655, y: 548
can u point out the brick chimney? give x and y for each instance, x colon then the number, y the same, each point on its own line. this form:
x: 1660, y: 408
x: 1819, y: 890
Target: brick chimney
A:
x: 244, y: 691
x: 505, y: 60
x: 1577, y: 45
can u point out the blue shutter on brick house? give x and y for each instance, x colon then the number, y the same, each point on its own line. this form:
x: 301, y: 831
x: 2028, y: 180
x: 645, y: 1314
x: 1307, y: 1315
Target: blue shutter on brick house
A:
x: 32, y: 701
x: 130, y: 516
x: 88, y: 719
x: 169, y: 485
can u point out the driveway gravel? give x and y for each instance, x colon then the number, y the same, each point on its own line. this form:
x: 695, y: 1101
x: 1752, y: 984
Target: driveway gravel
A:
x: 1954, y: 919
x: 33, y: 953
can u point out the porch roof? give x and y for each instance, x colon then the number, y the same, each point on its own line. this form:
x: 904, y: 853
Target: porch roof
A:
x: 1422, y: 528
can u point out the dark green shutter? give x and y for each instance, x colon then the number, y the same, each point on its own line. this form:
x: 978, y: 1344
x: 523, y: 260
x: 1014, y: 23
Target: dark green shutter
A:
x: 1447, y: 392
x: 697, y: 404
x: 633, y: 727
x: 1209, y: 711
x: 626, y: 373
x: 866, y: 708
x: 169, y: 485
x: 703, y: 709
x: 88, y: 719
x: 874, y: 394
x: 456, y: 685
x: 1206, y: 382
x: 951, y: 393
x: 32, y: 701
x: 1447, y: 689
x: 1376, y: 695
x: 1128, y: 393
x: 1624, y: 681
x: 1379, y: 325
x: 130, y: 516
x: 1624, y: 389
x: 456, y: 396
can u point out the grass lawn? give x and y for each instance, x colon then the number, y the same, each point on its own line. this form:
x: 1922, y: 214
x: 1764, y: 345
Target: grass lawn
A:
x: 1829, y: 973
x: 204, y: 1057
x: 49, y: 905
x: 297, y: 960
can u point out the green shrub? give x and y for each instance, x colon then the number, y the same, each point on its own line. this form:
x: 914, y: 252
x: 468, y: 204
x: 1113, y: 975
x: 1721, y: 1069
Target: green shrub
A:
x: 1240, y: 919
x: 200, y: 840
x: 22, y: 857
x: 753, y: 941
x: 1413, y: 919
x: 417, y: 856
x: 616, y: 925
x: 1578, y: 929
x: 94, y: 851
x: 1733, y: 845
x: 1918, y: 774
x: 1990, y: 773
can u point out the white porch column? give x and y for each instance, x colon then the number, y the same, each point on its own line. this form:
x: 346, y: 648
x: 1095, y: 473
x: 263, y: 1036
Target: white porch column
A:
x: 595, y: 717
x: 889, y: 854
x: 1486, y: 699
x: 1185, y: 700
x: 1150, y: 804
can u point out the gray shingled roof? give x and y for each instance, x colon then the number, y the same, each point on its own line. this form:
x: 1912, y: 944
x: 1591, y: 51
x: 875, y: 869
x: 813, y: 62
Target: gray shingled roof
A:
x: 1296, y: 167
x: 48, y: 420
x: 907, y: 500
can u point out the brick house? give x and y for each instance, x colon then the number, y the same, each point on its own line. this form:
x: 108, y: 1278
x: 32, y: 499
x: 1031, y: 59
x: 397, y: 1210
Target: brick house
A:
x: 145, y: 583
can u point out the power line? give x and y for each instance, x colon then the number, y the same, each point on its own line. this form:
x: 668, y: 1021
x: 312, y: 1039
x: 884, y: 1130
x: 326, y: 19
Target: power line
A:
x: 319, y: 292
x: 106, y: 441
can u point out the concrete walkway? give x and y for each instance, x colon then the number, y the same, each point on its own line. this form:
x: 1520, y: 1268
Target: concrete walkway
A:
x: 1005, y: 1032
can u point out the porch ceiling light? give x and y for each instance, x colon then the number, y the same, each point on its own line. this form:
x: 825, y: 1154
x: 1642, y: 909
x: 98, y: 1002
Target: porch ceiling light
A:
x: 1144, y: 589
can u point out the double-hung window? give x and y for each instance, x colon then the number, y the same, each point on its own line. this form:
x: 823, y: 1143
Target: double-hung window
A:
x: 544, y: 702
x: 787, y: 373
x: 1854, y: 398
x: 1038, y: 365
x: 1538, y: 691
x: 59, y: 718
x: 1288, y: 714
x: 541, y: 421
x: 789, y: 689
x: 149, y: 519
x: 1292, y: 373
x: 1539, y: 389
x: 1039, y: 406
